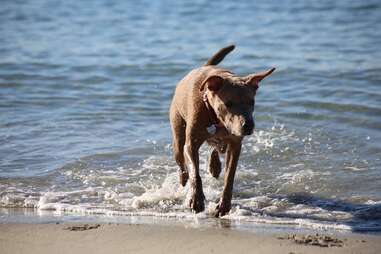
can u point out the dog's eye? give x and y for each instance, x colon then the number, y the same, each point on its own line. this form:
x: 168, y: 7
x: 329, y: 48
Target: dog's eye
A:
x: 228, y: 104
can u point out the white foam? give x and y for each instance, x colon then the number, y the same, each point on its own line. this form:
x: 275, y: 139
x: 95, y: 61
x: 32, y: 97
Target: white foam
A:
x: 355, y: 169
x: 12, y: 199
x: 166, y: 201
x: 168, y: 194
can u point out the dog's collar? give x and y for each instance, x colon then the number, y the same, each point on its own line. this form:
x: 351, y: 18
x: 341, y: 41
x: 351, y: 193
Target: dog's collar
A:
x: 212, y: 116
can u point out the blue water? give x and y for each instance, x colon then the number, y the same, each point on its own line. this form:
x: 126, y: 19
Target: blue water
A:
x: 85, y: 88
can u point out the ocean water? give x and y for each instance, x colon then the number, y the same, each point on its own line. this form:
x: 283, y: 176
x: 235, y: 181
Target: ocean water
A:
x: 85, y: 88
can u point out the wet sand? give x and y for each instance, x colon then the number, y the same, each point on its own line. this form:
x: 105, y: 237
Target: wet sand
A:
x: 122, y: 238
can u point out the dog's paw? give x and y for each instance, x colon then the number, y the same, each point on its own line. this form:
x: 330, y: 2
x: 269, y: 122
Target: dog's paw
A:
x: 183, y: 176
x: 196, y: 201
x: 214, y: 164
x: 222, y: 208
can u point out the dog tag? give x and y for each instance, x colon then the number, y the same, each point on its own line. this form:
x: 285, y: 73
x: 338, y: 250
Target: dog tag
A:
x: 212, y: 129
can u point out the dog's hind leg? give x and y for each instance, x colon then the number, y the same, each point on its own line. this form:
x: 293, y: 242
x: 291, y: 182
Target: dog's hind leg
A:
x: 178, y: 130
x: 214, y: 163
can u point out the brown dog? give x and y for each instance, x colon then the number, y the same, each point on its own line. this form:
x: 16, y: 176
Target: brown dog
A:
x: 212, y: 104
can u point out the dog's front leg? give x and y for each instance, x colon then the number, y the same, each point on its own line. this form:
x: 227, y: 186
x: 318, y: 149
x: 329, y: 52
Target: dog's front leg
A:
x: 232, y: 156
x: 196, y: 200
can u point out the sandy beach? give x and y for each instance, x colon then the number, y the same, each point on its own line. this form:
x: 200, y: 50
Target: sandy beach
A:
x: 122, y: 238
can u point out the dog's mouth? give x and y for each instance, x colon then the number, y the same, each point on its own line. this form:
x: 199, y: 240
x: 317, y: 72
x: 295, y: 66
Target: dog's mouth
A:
x: 241, y: 133
x: 244, y: 130
x: 248, y: 132
x: 239, y: 128
x: 248, y: 129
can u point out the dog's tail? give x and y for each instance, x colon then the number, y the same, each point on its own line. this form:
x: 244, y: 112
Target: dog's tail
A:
x: 219, y: 56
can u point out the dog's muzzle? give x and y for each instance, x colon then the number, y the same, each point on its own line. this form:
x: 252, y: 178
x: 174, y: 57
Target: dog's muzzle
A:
x: 248, y: 128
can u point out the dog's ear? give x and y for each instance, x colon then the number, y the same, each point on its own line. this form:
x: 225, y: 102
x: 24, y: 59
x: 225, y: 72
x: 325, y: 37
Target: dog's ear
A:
x: 213, y: 83
x: 254, y: 79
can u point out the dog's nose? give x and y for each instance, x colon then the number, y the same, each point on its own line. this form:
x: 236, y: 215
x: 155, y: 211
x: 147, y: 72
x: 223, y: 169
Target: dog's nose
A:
x: 248, y: 127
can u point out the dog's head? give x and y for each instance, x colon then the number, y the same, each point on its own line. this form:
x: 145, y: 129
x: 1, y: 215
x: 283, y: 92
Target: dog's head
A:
x: 233, y: 98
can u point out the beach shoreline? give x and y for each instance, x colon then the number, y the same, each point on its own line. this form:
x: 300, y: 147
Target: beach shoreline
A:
x: 141, y: 238
x: 261, y: 225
